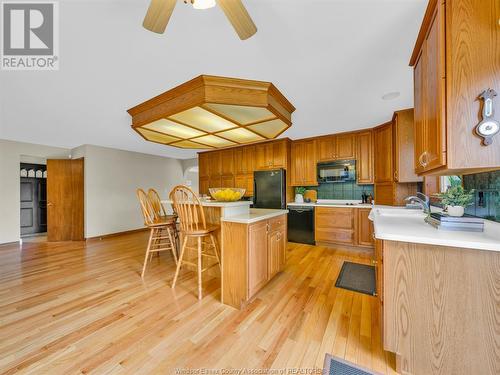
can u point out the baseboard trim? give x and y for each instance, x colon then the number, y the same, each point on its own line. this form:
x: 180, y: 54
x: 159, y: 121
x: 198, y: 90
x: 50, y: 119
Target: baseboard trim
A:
x: 104, y: 236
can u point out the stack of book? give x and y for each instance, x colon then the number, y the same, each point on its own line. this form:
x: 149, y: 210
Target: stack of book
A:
x: 465, y: 223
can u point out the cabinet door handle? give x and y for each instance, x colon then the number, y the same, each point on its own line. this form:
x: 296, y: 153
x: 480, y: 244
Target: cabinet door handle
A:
x: 395, y: 175
x: 421, y: 158
x: 374, y: 262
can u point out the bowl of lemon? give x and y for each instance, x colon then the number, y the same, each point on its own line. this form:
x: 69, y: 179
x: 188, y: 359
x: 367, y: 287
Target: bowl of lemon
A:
x: 226, y: 194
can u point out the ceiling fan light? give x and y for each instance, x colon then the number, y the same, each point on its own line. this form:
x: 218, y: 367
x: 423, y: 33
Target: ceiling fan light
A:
x: 203, y: 4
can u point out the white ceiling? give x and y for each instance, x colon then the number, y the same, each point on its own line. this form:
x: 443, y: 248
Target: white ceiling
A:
x: 333, y: 59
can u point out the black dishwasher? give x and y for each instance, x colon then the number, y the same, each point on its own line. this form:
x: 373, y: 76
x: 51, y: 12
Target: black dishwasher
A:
x: 301, y: 224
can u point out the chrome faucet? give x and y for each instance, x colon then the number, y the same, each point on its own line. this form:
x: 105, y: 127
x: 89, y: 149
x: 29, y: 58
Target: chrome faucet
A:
x: 421, y: 199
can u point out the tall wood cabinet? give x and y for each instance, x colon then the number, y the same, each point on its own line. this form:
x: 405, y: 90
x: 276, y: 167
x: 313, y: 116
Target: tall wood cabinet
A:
x: 303, y: 163
x: 336, y: 147
x: 271, y: 155
x: 364, y: 157
x: 456, y: 58
x: 393, y: 156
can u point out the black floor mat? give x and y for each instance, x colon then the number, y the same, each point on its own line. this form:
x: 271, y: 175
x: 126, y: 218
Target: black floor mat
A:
x: 357, y: 277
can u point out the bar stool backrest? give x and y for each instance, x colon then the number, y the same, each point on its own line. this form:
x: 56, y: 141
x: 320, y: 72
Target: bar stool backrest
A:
x: 156, y: 205
x: 189, y: 209
x: 146, y: 207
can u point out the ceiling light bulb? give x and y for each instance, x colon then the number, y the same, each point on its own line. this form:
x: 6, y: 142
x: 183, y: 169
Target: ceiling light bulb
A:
x: 203, y: 4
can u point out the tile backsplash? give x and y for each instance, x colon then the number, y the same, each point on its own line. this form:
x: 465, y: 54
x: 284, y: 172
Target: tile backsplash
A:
x: 487, y: 194
x: 341, y: 190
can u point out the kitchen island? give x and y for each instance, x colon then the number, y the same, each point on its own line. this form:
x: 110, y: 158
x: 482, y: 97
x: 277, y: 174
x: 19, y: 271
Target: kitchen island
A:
x: 439, y: 294
x: 252, y: 246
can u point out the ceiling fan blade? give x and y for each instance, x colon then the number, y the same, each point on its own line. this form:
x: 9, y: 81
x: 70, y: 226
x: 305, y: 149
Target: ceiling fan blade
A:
x: 237, y: 14
x: 158, y: 14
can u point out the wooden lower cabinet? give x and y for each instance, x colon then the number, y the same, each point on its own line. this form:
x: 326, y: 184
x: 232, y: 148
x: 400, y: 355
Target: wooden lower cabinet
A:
x: 344, y: 226
x: 252, y: 254
x: 440, y: 308
x: 258, y: 244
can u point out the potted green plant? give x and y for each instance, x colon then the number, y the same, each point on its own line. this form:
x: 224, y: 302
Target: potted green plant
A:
x: 455, y: 199
x: 299, y: 194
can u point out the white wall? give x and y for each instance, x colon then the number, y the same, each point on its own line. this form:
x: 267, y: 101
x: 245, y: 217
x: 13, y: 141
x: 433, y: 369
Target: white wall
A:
x: 11, y: 154
x: 111, y: 178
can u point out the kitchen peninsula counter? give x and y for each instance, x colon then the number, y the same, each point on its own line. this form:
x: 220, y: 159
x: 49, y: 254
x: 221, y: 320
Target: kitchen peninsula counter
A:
x: 252, y: 246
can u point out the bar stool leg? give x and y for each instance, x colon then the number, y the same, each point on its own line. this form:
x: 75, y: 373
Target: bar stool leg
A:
x: 147, y: 252
x: 179, y: 262
x: 172, y: 245
x: 214, y: 244
x: 199, y: 268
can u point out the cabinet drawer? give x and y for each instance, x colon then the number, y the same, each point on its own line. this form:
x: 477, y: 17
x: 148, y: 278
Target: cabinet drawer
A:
x: 334, y: 218
x: 277, y: 223
x: 343, y: 236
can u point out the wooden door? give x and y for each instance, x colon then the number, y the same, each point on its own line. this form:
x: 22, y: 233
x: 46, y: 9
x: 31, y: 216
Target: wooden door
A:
x: 215, y: 182
x: 404, y: 146
x: 344, y: 147
x: 279, y: 154
x: 383, y: 153
x: 309, y: 165
x: 203, y: 164
x: 274, y: 256
x: 214, y: 164
x: 419, y: 114
x: 65, y: 200
x: 227, y: 162
x: 364, y: 228
x: 364, y: 158
x: 227, y: 181
x: 257, y: 256
x: 326, y: 148
x: 264, y: 156
x: 434, y: 93
x: 297, y: 163
x: 203, y: 185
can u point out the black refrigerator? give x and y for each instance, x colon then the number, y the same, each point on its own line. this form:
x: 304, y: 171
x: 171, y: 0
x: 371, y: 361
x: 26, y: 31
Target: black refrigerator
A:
x: 269, y: 189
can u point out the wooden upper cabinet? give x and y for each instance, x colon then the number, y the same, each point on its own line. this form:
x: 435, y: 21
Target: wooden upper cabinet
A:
x: 453, y: 64
x: 203, y: 165
x: 227, y: 162
x: 403, y: 143
x: 244, y: 159
x: 264, y: 156
x: 364, y: 157
x: 214, y: 164
x: 303, y: 163
x: 326, y: 147
x: 345, y: 146
x: 382, y: 139
x: 336, y: 147
x: 280, y: 154
x: 271, y: 155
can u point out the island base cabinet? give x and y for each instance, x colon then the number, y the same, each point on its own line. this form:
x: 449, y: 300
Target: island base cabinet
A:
x: 441, y: 308
x: 252, y: 254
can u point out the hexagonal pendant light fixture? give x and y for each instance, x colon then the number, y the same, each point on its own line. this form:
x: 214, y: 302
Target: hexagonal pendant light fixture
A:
x: 213, y: 112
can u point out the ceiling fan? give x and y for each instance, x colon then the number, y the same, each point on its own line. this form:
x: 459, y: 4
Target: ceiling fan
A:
x: 159, y: 13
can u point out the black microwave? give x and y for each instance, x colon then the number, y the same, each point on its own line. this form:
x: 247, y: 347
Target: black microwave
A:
x: 338, y: 171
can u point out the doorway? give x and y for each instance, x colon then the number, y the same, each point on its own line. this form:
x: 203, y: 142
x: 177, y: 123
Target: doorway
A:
x: 33, y: 199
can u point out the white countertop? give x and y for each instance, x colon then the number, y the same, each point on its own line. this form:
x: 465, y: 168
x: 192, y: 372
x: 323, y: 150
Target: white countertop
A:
x: 254, y: 215
x: 214, y: 203
x: 333, y: 203
x: 405, y: 225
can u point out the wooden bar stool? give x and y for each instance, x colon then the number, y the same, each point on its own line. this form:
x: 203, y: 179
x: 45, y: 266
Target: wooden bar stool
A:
x: 193, y: 225
x: 161, y: 214
x: 161, y: 236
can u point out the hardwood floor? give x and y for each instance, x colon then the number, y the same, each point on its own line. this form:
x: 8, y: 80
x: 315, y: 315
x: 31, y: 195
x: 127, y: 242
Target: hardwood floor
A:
x: 71, y: 308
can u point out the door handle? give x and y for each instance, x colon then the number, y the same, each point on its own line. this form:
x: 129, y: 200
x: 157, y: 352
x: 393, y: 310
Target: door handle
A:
x: 49, y: 204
